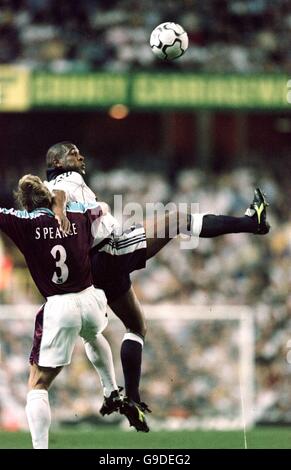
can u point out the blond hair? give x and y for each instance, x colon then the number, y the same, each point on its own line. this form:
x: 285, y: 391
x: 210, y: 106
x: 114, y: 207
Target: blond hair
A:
x: 32, y: 193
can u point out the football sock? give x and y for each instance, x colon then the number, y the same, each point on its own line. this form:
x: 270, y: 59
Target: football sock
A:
x: 215, y: 225
x: 131, y: 358
x: 210, y: 225
x: 39, y: 417
x: 99, y: 354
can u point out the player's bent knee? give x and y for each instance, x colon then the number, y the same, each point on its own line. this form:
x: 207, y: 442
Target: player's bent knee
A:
x: 139, y: 330
x: 38, y: 382
x: 40, y: 378
x: 144, y: 330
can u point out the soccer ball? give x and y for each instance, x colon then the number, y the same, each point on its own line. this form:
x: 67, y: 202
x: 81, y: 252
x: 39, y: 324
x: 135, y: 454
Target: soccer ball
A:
x: 169, y: 41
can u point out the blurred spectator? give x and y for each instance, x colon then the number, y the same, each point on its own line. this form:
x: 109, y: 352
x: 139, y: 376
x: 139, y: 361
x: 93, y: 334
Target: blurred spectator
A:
x: 233, y: 36
x: 6, y: 270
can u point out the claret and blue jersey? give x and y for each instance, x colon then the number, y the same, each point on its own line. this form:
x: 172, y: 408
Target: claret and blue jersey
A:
x: 58, y: 263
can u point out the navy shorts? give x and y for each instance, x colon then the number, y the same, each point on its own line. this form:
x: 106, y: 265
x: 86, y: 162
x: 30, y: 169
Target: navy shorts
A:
x: 115, y: 258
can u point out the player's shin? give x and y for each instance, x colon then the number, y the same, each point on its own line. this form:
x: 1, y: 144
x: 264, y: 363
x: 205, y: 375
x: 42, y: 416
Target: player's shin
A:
x: 215, y: 225
x: 131, y: 359
x: 39, y: 417
x: 99, y: 354
x: 210, y: 225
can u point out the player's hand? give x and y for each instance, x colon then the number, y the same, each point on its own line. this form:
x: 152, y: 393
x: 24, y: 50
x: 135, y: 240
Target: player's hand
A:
x: 64, y: 223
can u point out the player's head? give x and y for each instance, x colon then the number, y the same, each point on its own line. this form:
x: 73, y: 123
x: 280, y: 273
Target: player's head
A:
x: 66, y: 156
x: 32, y: 193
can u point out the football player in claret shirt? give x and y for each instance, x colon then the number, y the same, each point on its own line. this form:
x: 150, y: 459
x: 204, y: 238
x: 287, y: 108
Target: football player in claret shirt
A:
x: 60, y: 267
x: 117, y: 255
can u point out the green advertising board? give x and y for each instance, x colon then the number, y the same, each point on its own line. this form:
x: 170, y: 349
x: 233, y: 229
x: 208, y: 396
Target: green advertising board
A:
x: 21, y: 90
x: 210, y: 91
x: 78, y: 90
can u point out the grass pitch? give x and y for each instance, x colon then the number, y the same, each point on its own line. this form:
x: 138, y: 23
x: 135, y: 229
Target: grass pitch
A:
x: 114, y: 438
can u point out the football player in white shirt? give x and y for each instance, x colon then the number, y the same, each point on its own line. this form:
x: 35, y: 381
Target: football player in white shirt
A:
x: 112, y: 265
x: 116, y: 255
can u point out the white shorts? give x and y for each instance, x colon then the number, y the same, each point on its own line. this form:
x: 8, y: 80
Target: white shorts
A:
x: 61, y: 320
x: 115, y: 258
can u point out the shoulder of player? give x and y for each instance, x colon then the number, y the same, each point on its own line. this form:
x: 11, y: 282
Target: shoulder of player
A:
x: 70, y: 177
x: 23, y: 214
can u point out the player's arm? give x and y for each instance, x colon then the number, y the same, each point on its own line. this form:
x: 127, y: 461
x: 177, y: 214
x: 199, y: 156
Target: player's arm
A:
x: 59, y: 209
x: 12, y: 222
x: 102, y: 223
x: 104, y: 207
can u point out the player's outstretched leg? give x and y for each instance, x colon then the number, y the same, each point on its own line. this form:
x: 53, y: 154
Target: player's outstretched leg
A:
x: 254, y: 220
x: 206, y: 225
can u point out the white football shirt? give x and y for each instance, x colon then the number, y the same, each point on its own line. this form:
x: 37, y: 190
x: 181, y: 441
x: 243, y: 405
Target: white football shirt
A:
x: 73, y: 184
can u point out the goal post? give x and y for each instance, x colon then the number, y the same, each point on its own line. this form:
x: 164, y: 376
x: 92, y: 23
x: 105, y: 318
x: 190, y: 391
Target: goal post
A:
x: 197, y: 371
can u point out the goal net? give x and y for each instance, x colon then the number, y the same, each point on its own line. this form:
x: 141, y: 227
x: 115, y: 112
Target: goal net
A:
x: 198, y: 369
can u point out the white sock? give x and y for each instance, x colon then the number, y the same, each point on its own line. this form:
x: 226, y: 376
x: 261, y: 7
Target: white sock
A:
x: 196, y: 224
x: 133, y: 337
x: 99, y: 354
x: 39, y: 417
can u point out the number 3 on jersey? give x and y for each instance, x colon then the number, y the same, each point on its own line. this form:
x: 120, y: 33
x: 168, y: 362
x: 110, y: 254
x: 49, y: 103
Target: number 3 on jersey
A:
x: 62, y: 272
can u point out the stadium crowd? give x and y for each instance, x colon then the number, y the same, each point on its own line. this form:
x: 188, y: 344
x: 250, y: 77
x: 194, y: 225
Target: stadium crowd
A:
x: 225, y: 35
x: 199, y: 373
